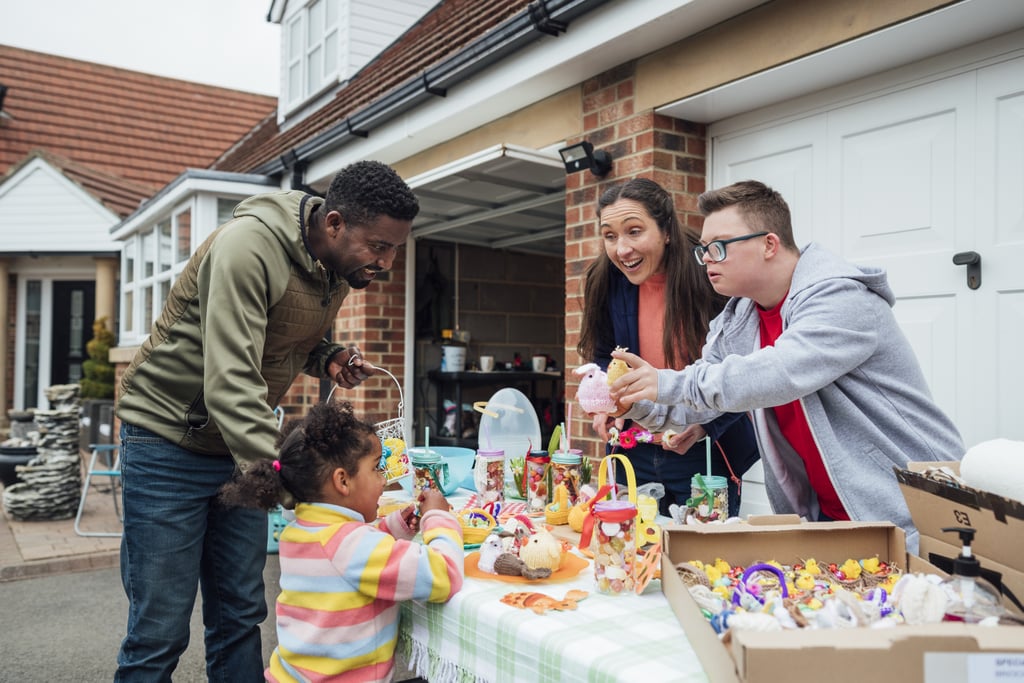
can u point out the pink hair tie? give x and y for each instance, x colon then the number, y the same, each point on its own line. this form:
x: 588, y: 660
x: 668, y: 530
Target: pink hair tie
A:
x: 277, y: 465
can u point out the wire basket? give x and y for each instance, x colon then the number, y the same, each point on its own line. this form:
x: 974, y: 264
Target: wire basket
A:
x: 393, y: 428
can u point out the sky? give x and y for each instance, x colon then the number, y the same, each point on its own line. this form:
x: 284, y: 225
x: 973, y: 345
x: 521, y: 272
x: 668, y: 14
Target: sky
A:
x: 219, y: 42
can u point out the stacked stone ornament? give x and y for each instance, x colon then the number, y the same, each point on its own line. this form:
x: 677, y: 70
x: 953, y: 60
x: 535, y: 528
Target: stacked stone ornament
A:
x: 51, y: 483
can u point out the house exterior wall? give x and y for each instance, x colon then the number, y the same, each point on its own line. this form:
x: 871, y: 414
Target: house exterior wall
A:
x: 669, y: 151
x: 536, y: 126
x: 72, y: 219
x: 766, y: 36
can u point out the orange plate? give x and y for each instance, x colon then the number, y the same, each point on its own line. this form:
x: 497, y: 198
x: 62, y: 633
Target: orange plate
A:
x: 570, y: 566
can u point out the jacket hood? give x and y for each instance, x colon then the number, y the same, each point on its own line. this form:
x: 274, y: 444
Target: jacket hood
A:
x: 822, y: 265
x: 280, y: 213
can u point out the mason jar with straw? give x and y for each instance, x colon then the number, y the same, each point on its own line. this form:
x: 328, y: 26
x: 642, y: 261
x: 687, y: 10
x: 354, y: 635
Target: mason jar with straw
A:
x: 709, y: 494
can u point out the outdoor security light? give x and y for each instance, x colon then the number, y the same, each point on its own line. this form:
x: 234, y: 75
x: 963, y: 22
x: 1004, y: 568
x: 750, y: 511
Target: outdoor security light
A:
x: 582, y: 155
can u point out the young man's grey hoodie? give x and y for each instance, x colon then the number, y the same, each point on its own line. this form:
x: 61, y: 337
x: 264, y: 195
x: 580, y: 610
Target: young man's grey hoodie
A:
x: 843, y: 356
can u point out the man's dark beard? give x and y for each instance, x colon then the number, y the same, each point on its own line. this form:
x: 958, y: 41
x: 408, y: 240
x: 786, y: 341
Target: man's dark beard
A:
x: 356, y: 282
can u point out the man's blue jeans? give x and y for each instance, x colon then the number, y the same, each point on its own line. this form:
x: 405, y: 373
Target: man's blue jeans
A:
x: 177, y: 537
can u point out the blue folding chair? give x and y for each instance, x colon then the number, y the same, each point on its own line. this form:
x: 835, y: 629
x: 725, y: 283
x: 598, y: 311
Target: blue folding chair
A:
x: 109, y: 465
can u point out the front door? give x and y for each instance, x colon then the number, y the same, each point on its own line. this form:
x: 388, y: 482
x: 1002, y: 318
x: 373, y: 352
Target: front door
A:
x: 74, y: 303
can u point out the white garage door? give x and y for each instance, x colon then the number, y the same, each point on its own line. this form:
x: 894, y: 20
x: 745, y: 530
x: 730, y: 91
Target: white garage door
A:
x: 905, y: 179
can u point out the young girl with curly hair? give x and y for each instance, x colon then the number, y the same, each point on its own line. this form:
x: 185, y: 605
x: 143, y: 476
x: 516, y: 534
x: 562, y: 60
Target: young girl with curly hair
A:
x: 342, y: 577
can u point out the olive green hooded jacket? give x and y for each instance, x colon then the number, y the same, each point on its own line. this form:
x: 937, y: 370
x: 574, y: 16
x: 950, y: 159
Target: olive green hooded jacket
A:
x: 245, y: 317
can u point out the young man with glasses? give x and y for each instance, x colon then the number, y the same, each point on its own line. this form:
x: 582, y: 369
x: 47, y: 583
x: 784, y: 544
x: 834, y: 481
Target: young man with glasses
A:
x: 809, y: 345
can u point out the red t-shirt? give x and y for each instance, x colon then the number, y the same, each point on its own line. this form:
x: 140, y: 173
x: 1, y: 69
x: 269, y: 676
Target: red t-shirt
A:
x: 793, y: 423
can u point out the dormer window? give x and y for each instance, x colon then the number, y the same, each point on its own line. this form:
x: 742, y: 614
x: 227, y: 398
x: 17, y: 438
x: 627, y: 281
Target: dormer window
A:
x: 325, y: 42
x: 312, y: 46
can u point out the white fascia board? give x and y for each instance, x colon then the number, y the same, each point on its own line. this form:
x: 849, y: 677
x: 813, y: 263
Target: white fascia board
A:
x: 610, y: 35
x: 177, y: 194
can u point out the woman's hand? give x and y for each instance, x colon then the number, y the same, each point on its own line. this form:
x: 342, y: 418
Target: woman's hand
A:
x: 640, y: 383
x: 603, y: 422
x: 681, y: 442
x: 349, y: 369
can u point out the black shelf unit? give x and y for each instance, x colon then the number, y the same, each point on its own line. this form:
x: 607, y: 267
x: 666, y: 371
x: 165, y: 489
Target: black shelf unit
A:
x: 451, y: 384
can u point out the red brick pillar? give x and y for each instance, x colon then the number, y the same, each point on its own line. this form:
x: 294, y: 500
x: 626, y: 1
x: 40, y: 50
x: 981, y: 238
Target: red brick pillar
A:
x: 670, y: 151
x: 374, y: 320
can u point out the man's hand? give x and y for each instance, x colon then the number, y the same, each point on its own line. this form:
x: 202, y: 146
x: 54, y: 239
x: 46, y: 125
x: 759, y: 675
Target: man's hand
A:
x: 349, y: 369
x: 681, y: 442
x: 640, y: 383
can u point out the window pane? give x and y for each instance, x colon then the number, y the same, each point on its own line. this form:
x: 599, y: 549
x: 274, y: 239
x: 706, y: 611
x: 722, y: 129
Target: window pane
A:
x: 331, y: 53
x: 163, y: 231
x: 332, y: 13
x: 129, y: 261
x: 183, y: 246
x: 147, y: 308
x: 295, y: 46
x: 148, y: 253
x: 315, y: 25
x: 295, y: 82
x: 129, y: 312
x: 225, y: 209
x: 165, y: 293
x: 33, y: 317
x: 313, y: 73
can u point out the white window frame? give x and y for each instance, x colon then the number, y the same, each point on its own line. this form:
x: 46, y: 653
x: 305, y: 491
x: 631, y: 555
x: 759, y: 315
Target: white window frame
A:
x: 138, y: 285
x: 196, y: 193
x: 309, y: 49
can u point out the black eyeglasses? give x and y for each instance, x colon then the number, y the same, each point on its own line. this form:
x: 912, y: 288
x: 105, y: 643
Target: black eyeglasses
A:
x: 716, y: 250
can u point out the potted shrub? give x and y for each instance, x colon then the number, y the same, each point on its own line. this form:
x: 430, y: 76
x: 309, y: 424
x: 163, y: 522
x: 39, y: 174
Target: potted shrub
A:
x: 97, y: 386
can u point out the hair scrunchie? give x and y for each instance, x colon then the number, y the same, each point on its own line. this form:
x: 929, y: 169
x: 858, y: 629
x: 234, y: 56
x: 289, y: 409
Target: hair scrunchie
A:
x: 277, y: 465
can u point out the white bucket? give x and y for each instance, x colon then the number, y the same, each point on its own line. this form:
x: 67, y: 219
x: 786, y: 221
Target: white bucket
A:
x: 453, y: 358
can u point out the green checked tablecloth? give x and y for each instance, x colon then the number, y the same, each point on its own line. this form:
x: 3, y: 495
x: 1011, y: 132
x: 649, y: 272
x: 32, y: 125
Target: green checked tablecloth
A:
x: 474, y: 637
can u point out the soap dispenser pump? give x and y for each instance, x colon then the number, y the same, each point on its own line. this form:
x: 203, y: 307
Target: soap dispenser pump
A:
x: 971, y: 597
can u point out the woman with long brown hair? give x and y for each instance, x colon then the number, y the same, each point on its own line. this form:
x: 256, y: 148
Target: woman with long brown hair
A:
x: 646, y: 293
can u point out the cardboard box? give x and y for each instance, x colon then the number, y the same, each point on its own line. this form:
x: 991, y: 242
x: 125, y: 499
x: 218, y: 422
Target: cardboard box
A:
x: 932, y: 654
x: 998, y: 523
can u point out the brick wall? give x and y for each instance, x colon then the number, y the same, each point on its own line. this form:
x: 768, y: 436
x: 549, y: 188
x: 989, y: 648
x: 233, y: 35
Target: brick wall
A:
x: 642, y: 143
x: 374, y: 320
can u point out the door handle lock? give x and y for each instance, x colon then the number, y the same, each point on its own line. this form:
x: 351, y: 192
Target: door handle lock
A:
x: 972, y: 260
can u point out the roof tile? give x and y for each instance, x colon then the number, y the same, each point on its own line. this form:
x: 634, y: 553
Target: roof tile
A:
x: 136, y: 131
x: 448, y: 27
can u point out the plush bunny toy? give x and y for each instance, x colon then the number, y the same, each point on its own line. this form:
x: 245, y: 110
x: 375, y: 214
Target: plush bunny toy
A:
x: 593, y: 394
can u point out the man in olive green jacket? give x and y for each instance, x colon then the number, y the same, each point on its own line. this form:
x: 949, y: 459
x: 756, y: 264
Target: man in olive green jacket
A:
x: 247, y: 315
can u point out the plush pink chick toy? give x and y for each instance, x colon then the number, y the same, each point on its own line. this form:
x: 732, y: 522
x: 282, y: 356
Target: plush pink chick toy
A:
x: 593, y: 394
